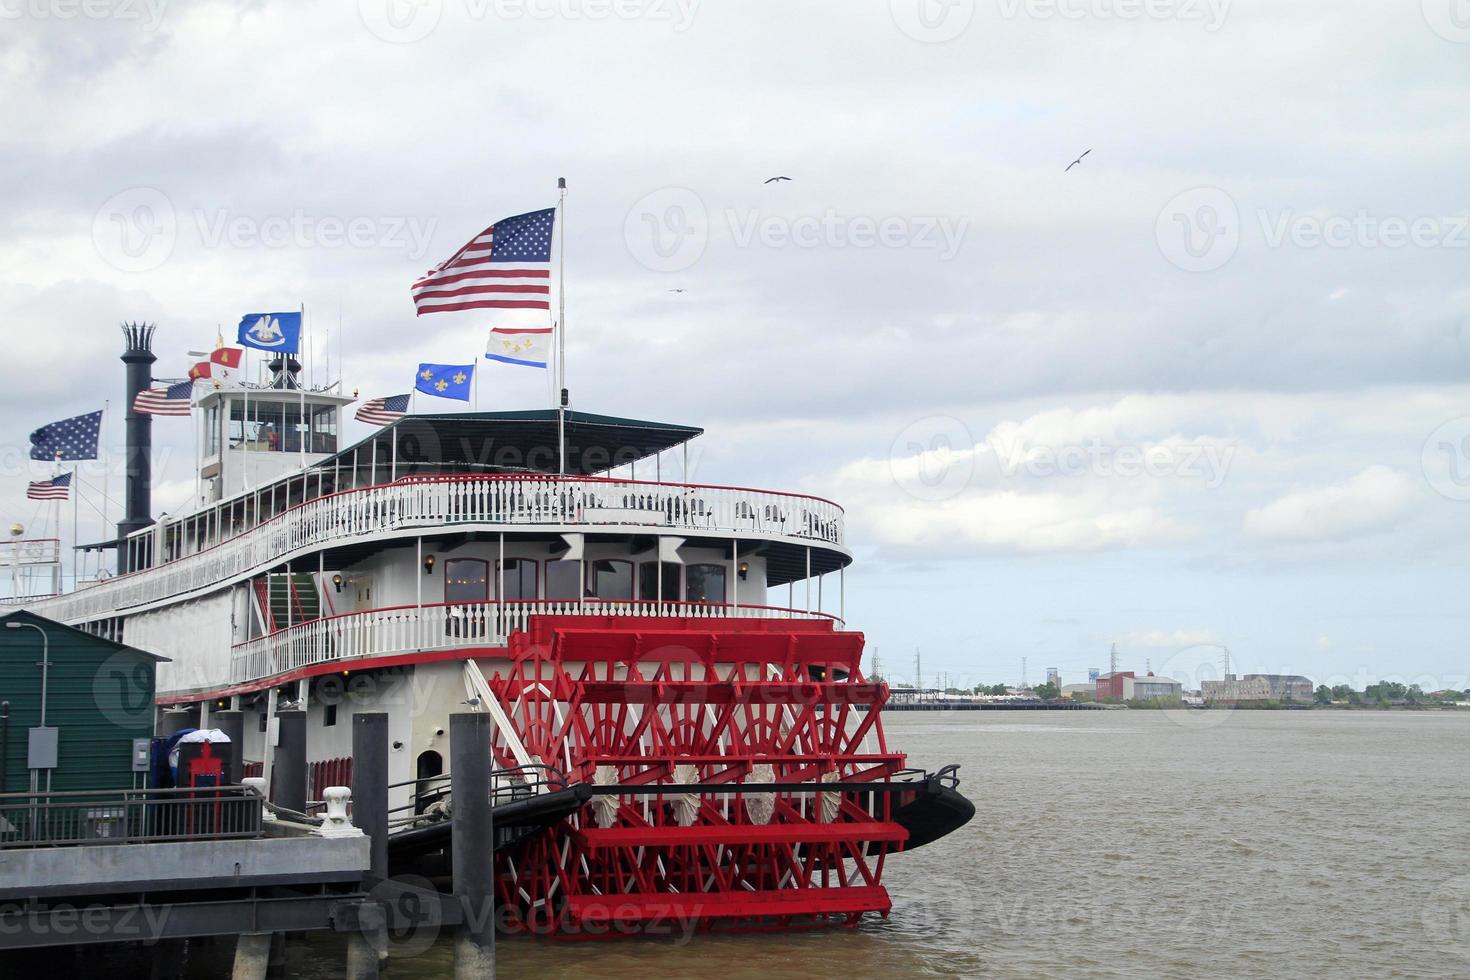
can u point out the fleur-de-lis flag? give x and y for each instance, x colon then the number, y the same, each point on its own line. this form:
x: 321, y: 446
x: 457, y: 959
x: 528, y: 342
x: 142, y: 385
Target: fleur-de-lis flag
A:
x: 445, y: 380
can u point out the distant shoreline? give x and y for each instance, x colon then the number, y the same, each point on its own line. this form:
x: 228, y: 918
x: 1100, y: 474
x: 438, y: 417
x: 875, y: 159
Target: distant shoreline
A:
x: 1097, y: 706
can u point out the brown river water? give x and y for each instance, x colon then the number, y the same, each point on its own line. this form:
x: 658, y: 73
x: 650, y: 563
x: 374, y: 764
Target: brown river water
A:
x: 1125, y: 844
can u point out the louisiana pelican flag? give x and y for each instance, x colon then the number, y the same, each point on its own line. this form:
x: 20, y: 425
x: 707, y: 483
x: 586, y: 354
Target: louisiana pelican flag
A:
x: 530, y: 348
x: 271, y: 331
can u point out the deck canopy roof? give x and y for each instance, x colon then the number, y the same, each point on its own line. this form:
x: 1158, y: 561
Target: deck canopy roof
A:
x: 512, y: 442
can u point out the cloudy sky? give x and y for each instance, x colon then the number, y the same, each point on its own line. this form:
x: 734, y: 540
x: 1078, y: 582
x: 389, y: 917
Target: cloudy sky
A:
x: 1207, y: 387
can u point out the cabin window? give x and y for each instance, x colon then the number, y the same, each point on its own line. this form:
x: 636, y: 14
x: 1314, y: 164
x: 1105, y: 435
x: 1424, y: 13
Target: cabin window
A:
x: 329, y: 716
x: 612, y: 580
x: 518, y: 579
x: 466, y: 580
x: 563, y: 580
x: 704, y: 583
x: 648, y: 585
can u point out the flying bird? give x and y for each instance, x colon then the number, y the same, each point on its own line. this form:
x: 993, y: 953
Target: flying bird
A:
x: 1076, y: 161
x: 678, y: 290
x: 772, y: 180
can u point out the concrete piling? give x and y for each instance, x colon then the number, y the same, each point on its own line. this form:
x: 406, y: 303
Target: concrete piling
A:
x: 290, y: 767
x: 473, y: 842
x: 370, y: 815
x: 252, y: 956
x: 232, y: 723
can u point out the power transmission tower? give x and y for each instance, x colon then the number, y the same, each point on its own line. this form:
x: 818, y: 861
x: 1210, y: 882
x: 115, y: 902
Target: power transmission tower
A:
x: 1023, y: 674
x: 1113, y: 660
x: 876, y: 673
x: 918, y: 673
x: 1225, y: 661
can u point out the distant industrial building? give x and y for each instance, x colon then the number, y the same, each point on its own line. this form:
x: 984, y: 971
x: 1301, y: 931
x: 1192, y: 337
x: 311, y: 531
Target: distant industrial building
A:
x: 1151, y: 688
x: 1124, y: 685
x: 1054, y: 677
x: 1110, y: 685
x: 1070, y: 691
x: 1287, y: 687
x: 1259, y: 687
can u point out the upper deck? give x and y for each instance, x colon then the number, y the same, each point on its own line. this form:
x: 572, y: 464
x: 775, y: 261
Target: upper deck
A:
x: 223, y: 544
x: 476, y: 473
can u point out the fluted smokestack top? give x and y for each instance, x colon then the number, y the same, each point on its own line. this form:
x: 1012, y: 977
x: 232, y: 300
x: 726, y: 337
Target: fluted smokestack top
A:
x: 139, y: 338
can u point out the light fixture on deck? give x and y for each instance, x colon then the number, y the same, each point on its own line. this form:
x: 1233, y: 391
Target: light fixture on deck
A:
x: 337, y: 582
x: 428, y: 564
x: 744, y: 570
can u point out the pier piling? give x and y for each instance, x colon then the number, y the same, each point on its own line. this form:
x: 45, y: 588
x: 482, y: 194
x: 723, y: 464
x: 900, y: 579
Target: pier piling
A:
x: 370, y: 815
x: 252, y: 956
x: 473, y: 843
x: 290, y: 768
x: 232, y: 723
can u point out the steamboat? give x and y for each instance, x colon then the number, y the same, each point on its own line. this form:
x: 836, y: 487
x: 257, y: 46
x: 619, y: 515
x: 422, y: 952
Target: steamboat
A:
x: 676, y: 743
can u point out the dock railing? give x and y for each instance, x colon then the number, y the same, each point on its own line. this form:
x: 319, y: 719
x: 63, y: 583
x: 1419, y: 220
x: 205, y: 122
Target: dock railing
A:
x: 128, y: 816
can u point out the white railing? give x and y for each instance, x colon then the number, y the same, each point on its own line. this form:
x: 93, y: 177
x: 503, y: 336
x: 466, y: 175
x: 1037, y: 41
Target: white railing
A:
x: 412, y: 629
x: 437, y: 502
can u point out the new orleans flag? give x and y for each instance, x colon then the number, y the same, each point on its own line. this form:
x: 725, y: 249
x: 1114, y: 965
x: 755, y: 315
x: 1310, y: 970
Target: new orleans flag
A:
x: 531, y: 347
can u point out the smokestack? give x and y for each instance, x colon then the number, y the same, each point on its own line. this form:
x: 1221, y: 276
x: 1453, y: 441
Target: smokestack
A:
x: 138, y: 462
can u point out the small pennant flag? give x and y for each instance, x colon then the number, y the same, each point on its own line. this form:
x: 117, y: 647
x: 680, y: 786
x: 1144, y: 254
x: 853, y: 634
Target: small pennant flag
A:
x: 56, y: 488
x: 173, y: 400
x: 530, y: 348
x: 382, y: 411
x: 220, y: 366
x: 445, y: 380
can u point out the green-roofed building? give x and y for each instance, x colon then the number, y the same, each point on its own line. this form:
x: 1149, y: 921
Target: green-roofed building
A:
x: 96, y: 695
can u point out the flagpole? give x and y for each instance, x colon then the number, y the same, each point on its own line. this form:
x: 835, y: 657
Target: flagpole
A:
x: 75, y: 539
x: 301, y: 392
x: 245, y: 422
x: 561, y: 327
x: 102, y: 451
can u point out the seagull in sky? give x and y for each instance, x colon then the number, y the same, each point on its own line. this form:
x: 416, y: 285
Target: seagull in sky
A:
x: 1076, y: 161
x: 677, y: 290
x: 772, y: 180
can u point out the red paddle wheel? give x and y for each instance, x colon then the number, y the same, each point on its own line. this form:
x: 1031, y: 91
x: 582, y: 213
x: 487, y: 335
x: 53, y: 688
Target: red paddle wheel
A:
x: 631, y: 705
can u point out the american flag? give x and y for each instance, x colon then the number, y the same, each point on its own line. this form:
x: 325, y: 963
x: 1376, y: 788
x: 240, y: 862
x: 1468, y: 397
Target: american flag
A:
x: 173, y: 400
x: 56, y: 488
x: 73, y: 438
x: 381, y: 411
x: 507, y: 267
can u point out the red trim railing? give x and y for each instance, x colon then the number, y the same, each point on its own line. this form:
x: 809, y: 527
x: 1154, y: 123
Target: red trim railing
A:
x: 371, y: 633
